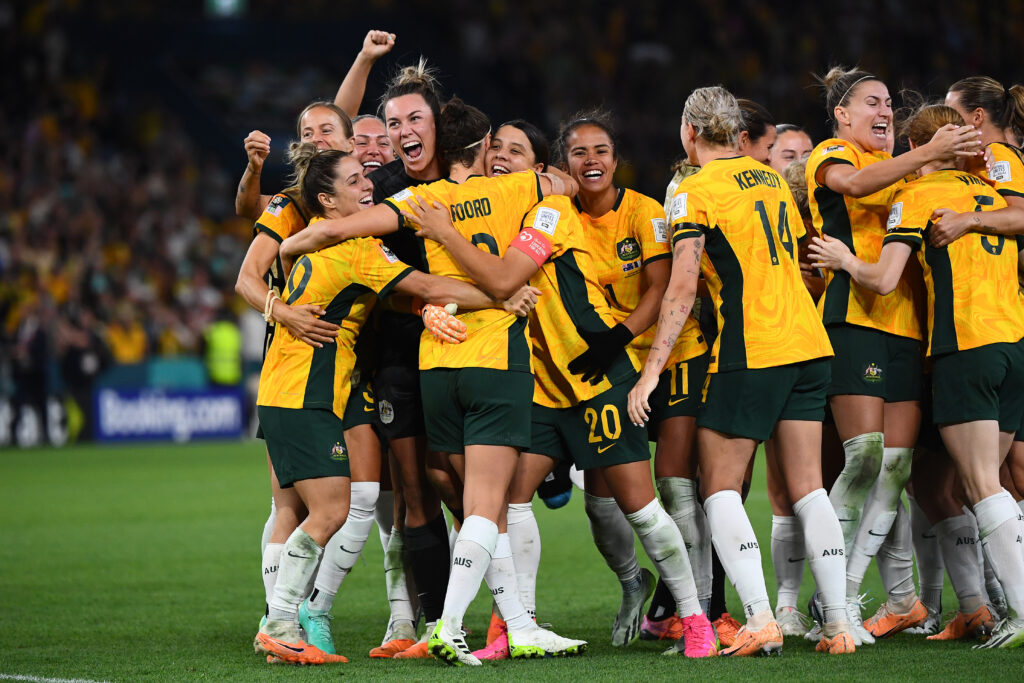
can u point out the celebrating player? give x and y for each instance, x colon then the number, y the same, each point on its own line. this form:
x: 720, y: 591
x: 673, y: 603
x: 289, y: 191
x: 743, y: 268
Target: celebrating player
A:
x: 975, y: 331
x: 876, y: 371
x: 735, y: 221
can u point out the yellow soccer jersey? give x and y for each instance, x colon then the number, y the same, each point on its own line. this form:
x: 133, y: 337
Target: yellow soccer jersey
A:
x: 571, y: 300
x: 488, y: 212
x: 1007, y: 172
x: 283, y: 217
x: 766, y: 317
x: 344, y: 280
x: 622, y: 242
x: 973, y: 297
x: 860, y: 223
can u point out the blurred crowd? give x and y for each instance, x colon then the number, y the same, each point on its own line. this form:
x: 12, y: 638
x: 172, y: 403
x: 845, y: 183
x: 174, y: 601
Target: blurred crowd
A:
x: 117, y: 236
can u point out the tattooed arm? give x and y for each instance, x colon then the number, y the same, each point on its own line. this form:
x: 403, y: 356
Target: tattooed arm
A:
x: 675, y: 308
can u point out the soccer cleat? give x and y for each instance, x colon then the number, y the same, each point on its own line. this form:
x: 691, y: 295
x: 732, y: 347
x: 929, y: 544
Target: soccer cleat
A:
x: 930, y: 626
x: 496, y: 649
x: 839, y: 644
x: 980, y: 622
x: 669, y: 628
x: 295, y: 651
x: 495, y: 628
x: 538, y: 642
x: 861, y: 636
x: 791, y: 621
x: 726, y: 627
x: 626, y: 628
x: 392, y: 648
x: 256, y: 641
x: 451, y: 648
x: 747, y: 643
x: 1008, y: 634
x: 698, y: 639
x: 886, y: 623
x: 814, y: 634
x: 420, y: 650
x: 317, y: 626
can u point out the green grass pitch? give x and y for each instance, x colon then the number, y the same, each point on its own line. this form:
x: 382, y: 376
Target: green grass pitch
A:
x: 141, y: 563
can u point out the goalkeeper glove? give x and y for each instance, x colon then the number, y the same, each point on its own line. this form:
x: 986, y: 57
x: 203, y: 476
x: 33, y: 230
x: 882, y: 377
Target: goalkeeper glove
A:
x: 603, y: 348
x: 443, y: 324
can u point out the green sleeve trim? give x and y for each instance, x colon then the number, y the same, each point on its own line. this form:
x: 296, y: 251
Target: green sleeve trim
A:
x: 401, y: 218
x: 1003, y: 192
x: 682, y: 231
x: 909, y: 236
x: 657, y: 257
x: 394, y: 281
x: 267, y: 231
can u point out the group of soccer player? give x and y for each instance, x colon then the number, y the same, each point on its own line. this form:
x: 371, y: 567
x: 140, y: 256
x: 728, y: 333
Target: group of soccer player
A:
x: 455, y: 318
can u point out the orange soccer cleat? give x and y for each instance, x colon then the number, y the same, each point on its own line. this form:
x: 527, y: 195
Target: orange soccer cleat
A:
x: 295, y: 653
x: 980, y: 622
x: 391, y: 648
x: 726, y: 627
x: 416, y: 651
x: 839, y: 644
x: 747, y: 643
x: 496, y: 628
x: 886, y: 623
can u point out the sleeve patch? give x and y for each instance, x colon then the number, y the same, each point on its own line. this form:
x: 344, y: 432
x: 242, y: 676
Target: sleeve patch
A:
x: 401, y: 195
x: 832, y: 149
x: 678, y: 208
x: 895, y: 216
x: 1000, y: 172
x: 533, y: 244
x: 276, y: 205
x: 546, y: 220
x: 660, y: 230
x: 388, y: 254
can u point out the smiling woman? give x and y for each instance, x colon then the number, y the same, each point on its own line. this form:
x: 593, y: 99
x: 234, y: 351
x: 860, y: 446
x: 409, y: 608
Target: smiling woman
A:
x: 876, y: 373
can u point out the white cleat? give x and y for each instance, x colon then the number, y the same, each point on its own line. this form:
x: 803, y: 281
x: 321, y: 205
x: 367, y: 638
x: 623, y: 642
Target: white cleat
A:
x: 538, y: 642
x: 626, y: 628
x: 1009, y: 633
x: 792, y: 622
x: 814, y: 634
x: 451, y: 648
x: 861, y: 636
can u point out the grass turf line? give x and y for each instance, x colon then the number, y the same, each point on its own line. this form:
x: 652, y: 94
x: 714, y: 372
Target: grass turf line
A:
x: 141, y: 563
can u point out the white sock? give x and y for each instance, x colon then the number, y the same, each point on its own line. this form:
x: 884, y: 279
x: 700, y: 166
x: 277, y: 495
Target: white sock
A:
x: 992, y: 587
x: 394, y: 579
x: 788, y: 555
x: 822, y: 539
x: 930, y: 567
x: 298, y: 564
x: 679, y: 496
x: 268, y: 527
x: 384, y: 516
x: 849, y: 493
x: 524, y: 537
x: 271, y: 560
x: 473, y: 552
x: 501, y: 580
x: 664, y: 545
x: 1001, y: 540
x: 958, y: 538
x: 896, y: 563
x: 342, y: 551
x: 453, y: 538
x: 613, y: 537
x: 878, y: 516
x: 737, y: 549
